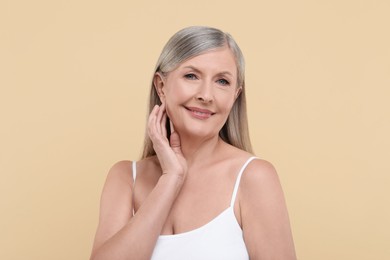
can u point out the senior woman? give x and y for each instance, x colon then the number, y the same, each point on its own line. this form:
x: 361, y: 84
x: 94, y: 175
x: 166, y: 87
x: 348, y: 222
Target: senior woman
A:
x: 198, y: 192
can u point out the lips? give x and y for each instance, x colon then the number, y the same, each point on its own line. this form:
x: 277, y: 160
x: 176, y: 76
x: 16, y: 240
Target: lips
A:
x: 200, y: 113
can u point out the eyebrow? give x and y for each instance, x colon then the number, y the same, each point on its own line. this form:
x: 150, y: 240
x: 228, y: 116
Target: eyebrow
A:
x: 198, y: 71
x: 192, y: 68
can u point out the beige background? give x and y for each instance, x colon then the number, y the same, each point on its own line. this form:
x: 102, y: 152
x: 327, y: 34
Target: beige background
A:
x: 74, y: 79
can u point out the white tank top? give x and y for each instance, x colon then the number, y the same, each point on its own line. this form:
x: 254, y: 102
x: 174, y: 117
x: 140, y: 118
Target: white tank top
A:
x: 221, y: 238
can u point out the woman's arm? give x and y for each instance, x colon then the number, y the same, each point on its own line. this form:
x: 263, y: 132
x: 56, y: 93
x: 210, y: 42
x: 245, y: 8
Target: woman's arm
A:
x: 121, y: 236
x: 264, y: 215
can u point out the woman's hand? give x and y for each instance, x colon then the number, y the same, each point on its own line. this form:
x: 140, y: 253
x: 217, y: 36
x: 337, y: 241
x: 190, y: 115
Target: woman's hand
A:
x: 168, y: 152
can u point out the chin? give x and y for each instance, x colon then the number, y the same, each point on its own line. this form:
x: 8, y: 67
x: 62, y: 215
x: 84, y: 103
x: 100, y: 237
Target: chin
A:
x: 199, y: 132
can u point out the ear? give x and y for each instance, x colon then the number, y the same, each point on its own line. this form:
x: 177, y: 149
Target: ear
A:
x: 159, y: 84
x: 238, y: 92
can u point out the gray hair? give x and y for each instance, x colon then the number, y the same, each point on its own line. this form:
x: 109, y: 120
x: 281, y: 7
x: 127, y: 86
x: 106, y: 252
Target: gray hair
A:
x: 188, y: 43
x: 193, y: 41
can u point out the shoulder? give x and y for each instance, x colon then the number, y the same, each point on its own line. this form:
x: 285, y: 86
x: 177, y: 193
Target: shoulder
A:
x: 261, y: 192
x: 260, y: 171
x: 119, y: 180
x: 260, y: 182
x: 123, y: 166
x: 121, y: 171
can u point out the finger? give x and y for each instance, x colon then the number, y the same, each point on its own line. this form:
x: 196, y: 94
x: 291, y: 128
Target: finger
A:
x: 160, y: 118
x: 175, y: 143
x: 152, y: 121
x: 152, y: 116
x: 164, y: 125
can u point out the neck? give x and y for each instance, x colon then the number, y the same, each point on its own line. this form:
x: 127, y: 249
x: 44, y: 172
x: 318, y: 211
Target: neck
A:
x: 198, y: 149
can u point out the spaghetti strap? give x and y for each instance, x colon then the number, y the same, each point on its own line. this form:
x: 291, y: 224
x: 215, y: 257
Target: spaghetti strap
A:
x: 134, y: 164
x: 239, y: 179
x: 134, y: 170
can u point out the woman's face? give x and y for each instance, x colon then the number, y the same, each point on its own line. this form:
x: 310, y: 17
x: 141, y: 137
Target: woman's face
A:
x: 200, y: 93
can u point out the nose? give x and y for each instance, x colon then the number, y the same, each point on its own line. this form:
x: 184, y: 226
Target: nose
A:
x: 205, y: 94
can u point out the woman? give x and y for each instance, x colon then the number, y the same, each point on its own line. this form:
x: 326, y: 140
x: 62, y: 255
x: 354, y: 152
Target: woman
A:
x: 197, y: 192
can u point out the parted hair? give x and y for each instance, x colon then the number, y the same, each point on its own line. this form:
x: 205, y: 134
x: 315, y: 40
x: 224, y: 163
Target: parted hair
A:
x: 186, y: 44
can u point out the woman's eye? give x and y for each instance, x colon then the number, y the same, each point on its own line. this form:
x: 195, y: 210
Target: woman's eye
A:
x: 190, y: 76
x: 223, y: 82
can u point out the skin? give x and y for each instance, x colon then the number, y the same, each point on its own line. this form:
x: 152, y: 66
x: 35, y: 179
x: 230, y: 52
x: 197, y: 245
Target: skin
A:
x: 190, y: 180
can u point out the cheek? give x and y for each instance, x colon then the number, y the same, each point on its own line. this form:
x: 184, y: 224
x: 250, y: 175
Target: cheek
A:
x: 227, y: 104
x: 170, y: 111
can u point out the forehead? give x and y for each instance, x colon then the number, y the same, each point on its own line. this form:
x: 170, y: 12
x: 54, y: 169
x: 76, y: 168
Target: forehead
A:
x: 215, y: 60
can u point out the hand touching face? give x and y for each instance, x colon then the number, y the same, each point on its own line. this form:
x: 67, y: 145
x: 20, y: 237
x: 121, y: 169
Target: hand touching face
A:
x: 169, y: 151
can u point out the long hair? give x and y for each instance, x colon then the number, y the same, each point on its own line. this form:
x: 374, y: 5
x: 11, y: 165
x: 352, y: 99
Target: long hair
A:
x: 186, y: 44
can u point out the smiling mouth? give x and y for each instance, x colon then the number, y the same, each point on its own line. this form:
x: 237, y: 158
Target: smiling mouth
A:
x: 200, y: 113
